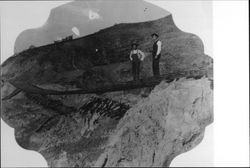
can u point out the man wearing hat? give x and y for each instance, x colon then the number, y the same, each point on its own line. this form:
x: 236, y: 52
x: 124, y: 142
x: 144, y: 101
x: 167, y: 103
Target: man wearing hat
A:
x: 136, y: 56
x: 156, y: 54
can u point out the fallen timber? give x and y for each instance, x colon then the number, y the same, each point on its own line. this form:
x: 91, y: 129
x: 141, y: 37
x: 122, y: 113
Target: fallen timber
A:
x: 142, y: 83
x: 14, y: 93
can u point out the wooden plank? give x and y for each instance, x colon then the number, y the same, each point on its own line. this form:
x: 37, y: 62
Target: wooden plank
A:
x: 14, y: 93
x: 148, y: 82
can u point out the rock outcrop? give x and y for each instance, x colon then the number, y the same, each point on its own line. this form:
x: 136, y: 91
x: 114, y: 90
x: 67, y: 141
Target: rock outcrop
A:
x: 170, y: 121
x: 90, y: 130
x: 146, y: 125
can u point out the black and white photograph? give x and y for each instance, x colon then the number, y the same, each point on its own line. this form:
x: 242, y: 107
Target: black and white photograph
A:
x: 118, y: 83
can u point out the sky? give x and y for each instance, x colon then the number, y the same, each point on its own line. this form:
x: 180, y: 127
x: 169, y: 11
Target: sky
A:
x: 192, y: 16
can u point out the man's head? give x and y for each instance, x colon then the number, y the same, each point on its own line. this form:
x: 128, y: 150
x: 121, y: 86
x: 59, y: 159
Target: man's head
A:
x: 134, y: 46
x: 154, y: 36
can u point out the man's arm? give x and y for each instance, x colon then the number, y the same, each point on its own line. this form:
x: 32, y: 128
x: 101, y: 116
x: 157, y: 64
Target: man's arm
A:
x: 130, y: 56
x: 142, y: 55
x: 158, y: 48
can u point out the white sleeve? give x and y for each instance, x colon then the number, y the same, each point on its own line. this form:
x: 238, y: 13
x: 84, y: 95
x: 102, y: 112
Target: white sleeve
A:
x: 142, y: 55
x: 130, y: 55
x: 159, y: 43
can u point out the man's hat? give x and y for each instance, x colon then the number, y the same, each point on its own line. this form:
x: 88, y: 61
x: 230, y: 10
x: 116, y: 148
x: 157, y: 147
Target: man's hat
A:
x: 134, y: 43
x: 154, y: 34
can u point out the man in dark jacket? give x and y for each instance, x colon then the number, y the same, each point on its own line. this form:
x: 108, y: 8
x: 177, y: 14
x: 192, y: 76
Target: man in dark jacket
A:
x: 156, y: 53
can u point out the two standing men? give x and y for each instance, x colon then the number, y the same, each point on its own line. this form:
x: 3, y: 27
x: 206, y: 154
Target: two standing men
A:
x: 136, y: 56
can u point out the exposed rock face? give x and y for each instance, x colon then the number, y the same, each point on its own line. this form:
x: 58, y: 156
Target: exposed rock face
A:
x: 99, y: 131
x: 170, y: 121
x: 147, y: 126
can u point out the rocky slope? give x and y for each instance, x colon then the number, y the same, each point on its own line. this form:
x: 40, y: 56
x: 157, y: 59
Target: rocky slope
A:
x: 114, y: 129
x: 147, y: 126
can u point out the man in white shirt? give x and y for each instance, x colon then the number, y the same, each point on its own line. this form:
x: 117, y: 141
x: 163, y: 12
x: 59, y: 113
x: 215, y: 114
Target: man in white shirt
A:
x: 156, y: 54
x: 136, y: 56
